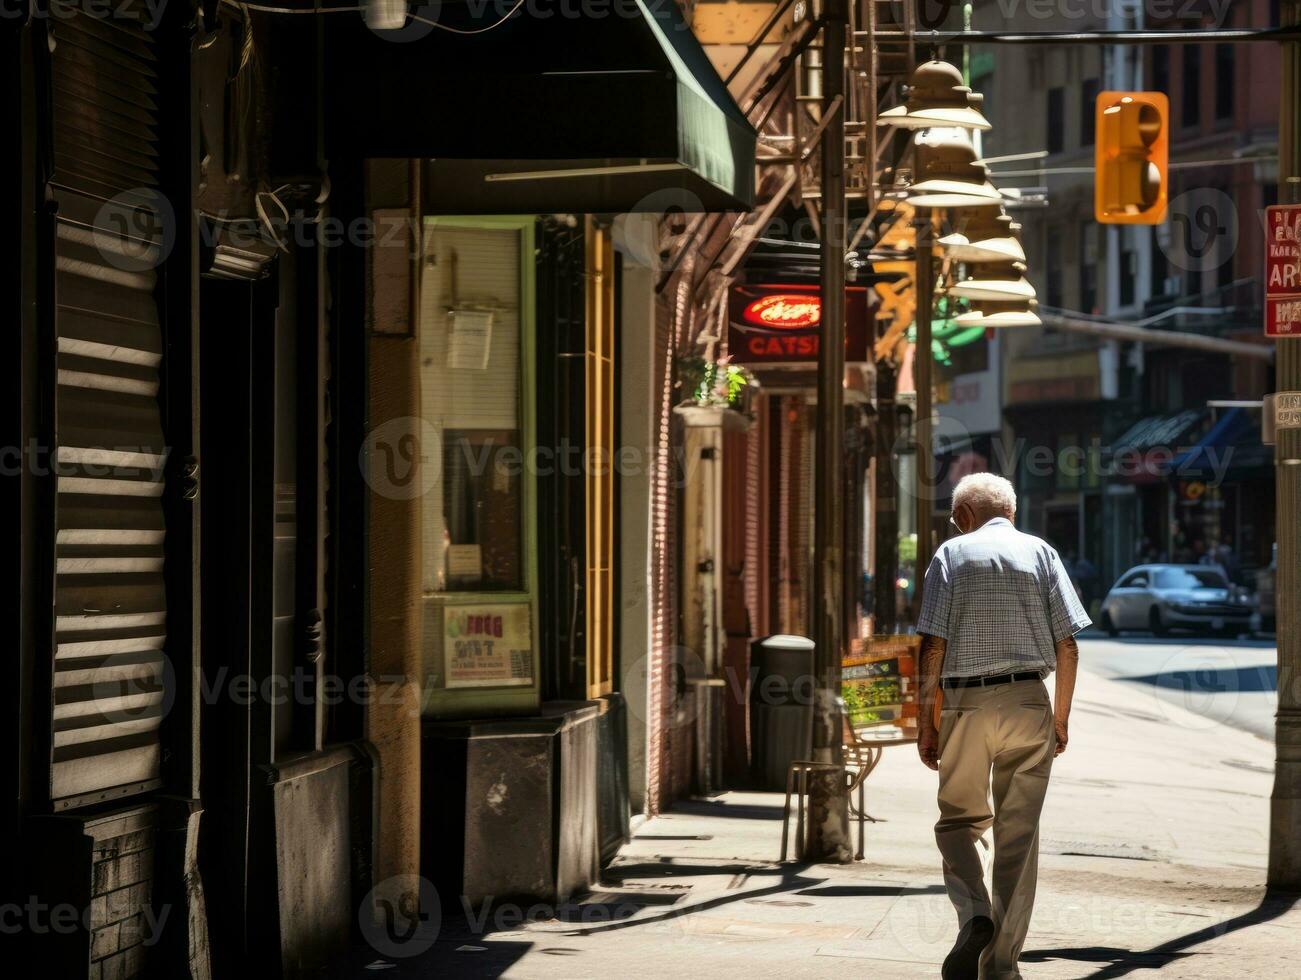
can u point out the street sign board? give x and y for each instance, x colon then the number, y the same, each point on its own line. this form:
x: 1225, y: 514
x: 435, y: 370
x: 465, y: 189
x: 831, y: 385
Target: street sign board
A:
x: 1287, y: 410
x: 781, y: 324
x: 1282, y: 410
x: 1283, y: 270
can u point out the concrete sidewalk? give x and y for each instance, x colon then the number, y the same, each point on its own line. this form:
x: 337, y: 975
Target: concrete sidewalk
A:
x: 1152, y: 863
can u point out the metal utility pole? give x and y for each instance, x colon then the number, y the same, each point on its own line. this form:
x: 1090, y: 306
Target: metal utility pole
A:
x: 828, y: 828
x: 922, y: 360
x: 884, y: 587
x: 1285, y: 802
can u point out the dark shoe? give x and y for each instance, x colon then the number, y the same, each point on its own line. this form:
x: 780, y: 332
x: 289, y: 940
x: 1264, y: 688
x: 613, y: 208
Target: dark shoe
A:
x: 963, y: 962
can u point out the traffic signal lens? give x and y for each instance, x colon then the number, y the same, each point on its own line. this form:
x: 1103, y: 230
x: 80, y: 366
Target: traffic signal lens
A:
x: 1131, y: 158
x: 1149, y: 124
x: 1151, y: 185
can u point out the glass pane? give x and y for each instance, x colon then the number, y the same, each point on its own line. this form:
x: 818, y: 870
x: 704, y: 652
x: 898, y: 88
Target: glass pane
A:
x: 482, y: 506
x: 1190, y: 578
x: 471, y: 400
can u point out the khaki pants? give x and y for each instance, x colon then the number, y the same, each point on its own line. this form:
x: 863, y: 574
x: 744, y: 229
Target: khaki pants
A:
x: 1006, y: 728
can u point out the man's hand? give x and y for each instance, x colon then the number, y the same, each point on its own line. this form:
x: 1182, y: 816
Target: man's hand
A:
x: 1062, y: 736
x: 928, y: 745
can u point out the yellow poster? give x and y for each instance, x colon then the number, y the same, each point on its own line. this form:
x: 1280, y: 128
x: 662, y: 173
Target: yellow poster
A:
x: 488, y: 646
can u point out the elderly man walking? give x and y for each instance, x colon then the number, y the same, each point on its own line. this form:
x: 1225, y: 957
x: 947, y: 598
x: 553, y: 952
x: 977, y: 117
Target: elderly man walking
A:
x: 998, y: 615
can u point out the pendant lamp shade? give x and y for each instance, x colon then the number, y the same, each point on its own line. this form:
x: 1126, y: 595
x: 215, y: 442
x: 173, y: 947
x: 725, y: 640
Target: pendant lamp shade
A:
x: 991, y: 314
x: 996, y: 281
x: 983, y: 235
x: 949, y: 174
x: 937, y: 97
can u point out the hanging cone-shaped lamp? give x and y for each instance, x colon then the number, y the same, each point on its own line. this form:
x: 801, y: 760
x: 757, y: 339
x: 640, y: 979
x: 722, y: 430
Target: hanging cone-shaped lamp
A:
x: 987, y: 313
x: 996, y: 281
x: 949, y: 174
x: 983, y: 235
x: 937, y: 97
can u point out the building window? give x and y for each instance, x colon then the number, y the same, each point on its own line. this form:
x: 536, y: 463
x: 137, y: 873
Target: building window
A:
x: 1088, y: 266
x: 1225, y: 247
x: 477, y: 495
x: 1088, y: 110
x: 1070, y: 461
x: 1224, y: 79
x: 1056, y: 124
x: 1053, y: 268
x: 470, y: 349
x: 1160, y: 267
x: 1161, y: 68
x: 1128, y: 261
x: 1192, y: 85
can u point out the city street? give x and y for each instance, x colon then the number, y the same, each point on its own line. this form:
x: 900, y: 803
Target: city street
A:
x: 461, y: 461
x: 1216, y: 681
x: 1152, y: 864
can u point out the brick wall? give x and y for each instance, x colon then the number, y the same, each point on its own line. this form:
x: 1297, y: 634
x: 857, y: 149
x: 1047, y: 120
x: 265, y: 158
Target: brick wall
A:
x: 122, y: 872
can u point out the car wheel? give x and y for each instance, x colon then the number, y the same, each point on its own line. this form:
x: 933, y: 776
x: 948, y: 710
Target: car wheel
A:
x: 1106, y: 623
x: 1159, y: 628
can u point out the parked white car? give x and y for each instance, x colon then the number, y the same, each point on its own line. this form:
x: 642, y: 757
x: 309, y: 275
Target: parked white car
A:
x: 1160, y: 598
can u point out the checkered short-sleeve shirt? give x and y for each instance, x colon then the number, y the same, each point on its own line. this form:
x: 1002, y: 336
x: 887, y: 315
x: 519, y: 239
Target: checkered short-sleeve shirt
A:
x: 1001, y: 600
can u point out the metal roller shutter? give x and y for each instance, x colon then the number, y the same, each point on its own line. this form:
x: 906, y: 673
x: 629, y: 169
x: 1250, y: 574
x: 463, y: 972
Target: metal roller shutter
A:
x: 110, y: 610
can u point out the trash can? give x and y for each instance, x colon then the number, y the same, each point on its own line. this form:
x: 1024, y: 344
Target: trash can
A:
x: 781, y: 707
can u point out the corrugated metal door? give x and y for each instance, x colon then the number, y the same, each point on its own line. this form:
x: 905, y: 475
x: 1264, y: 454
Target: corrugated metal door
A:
x: 111, y: 234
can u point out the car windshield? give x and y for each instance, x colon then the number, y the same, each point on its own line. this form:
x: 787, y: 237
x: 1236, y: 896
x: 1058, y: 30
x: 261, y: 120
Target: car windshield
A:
x: 1189, y: 578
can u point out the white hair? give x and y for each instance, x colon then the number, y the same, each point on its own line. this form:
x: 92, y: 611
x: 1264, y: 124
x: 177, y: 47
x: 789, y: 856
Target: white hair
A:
x: 985, y: 494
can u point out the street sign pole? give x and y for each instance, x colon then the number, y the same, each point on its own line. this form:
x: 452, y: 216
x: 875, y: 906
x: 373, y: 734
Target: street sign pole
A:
x: 1285, y: 802
x: 922, y: 362
x: 828, y: 826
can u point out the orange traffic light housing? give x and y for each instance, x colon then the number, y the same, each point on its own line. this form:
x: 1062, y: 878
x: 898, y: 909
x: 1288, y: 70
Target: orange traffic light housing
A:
x: 1131, y: 179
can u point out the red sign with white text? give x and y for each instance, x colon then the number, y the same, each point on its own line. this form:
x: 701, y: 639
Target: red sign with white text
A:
x: 1283, y: 270
x: 779, y: 324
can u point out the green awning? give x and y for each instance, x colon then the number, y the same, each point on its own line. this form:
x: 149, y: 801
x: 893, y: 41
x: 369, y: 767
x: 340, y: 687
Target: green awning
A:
x: 593, y: 108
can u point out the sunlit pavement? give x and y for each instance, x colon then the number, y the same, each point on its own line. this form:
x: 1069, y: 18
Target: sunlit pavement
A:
x: 1153, y: 854
x: 1232, y: 682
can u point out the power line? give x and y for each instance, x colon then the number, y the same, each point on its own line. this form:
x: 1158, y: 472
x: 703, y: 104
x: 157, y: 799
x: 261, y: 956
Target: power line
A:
x: 1220, y: 35
x: 1180, y: 165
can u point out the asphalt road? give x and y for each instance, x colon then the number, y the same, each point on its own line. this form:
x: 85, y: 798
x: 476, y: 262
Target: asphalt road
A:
x: 1221, y: 682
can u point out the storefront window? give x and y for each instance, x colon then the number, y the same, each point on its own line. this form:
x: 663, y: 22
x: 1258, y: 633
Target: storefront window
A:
x: 478, y: 515
x: 471, y: 379
x: 1071, y: 461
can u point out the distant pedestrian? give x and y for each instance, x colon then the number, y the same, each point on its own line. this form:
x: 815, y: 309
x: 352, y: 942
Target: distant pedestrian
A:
x: 998, y: 614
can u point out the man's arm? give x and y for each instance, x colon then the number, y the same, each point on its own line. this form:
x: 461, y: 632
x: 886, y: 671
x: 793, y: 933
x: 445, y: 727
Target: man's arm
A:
x: 928, y: 672
x: 1068, y: 659
x: 1066, y: 617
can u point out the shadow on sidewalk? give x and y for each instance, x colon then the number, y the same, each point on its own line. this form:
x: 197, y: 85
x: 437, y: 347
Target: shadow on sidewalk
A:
x: 1213, y: 680
x: 787, y: 878
x: 1122, y: 962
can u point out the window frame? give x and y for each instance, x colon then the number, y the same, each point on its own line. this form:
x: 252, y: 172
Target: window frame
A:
x: 455, y: 701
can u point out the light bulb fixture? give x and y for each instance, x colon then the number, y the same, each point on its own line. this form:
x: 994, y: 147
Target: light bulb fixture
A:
x: 937, y: 97
x: 386, y: 15
x: 996, y: 281
x: 993, y: 314
x: 951, y: 175
x: 983, y: 235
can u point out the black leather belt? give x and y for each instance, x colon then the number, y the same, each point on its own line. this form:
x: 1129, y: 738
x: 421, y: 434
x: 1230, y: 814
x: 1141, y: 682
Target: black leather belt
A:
x: 991, y: 679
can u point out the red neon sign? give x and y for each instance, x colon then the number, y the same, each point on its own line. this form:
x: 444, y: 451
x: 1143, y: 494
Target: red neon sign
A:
x: 785, y: 311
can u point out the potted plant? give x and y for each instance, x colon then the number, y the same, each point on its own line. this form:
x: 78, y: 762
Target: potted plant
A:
x: 718, y: 384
